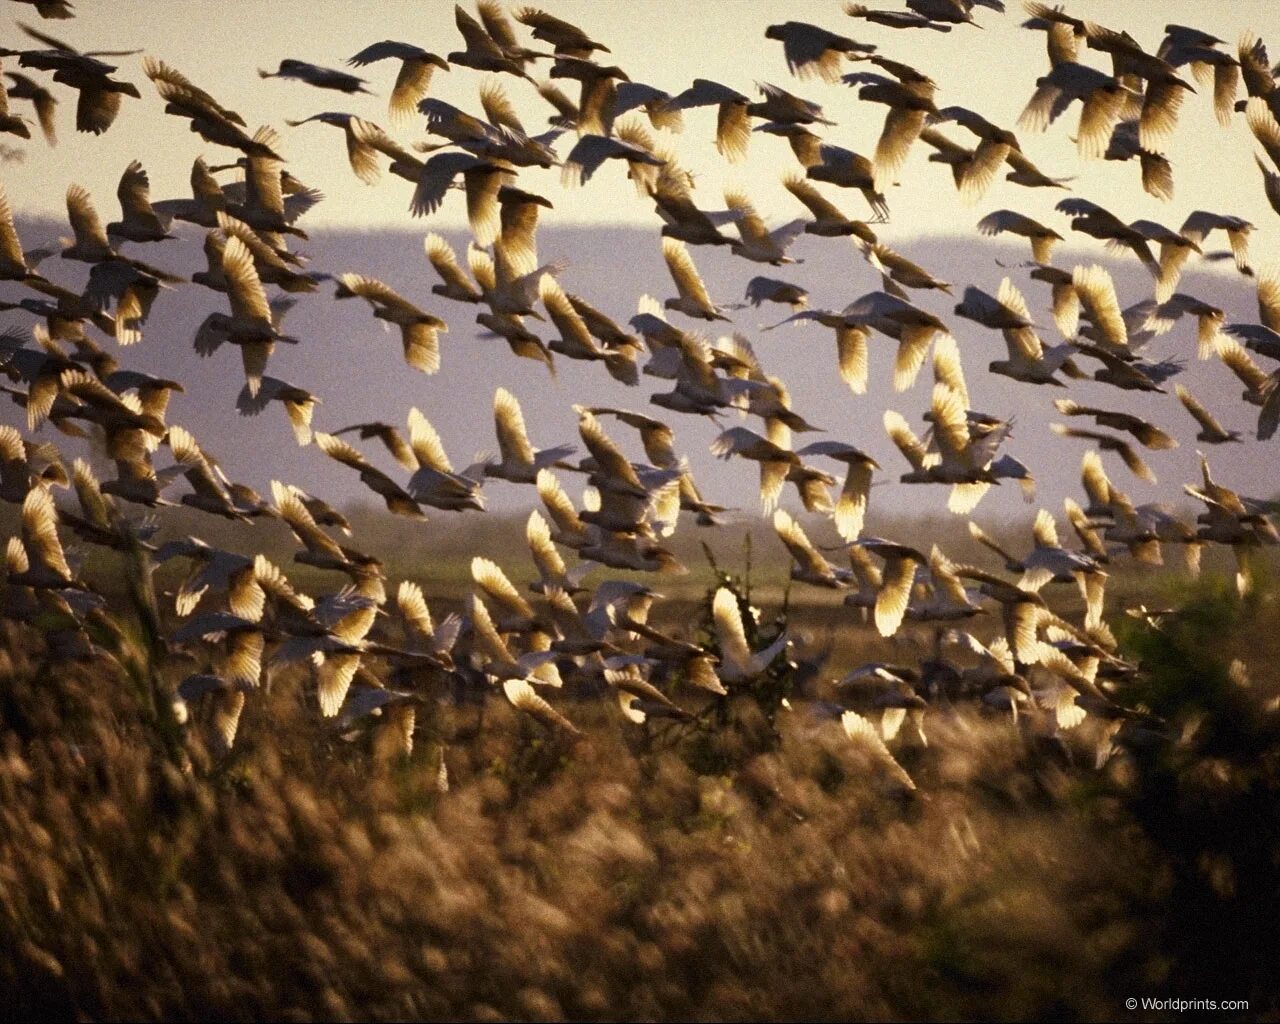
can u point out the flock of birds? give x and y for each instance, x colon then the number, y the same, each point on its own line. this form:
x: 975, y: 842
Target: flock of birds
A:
x: 373, y: 657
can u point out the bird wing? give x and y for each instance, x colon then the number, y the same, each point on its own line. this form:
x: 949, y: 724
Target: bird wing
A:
x: 684, y: 273
x: 733, y: 131
x: 376, y: 293
x: 607, y: 454
x: 513, y: 439
x: 545, y: 555
x: 904, y: 439
x: 523, y: 697
x: 338, y: 449
x: 1269, y: 414
x: 412, y: 605
x: 851, y: 507
x: 290, y: 506
x: 497, y: 24
x: 134, y: 193
x: 474, y: 34
x: 558, y: 504
x: 196, y: 467
x: 798, y: 544
x: 411, y: 85
x: 1198, y: 411
x: 729, y: 629
x: 899, y: 575
x: 851, y: 350
x: 1269, y: 297
x: 951, y: 428
x: 244, y: 287
x: 40, y: 532
x: 817, y: 204
x: 498, y: 107
x: 85, y: 223
x: 902, y: 126
x: 572, y: 328
x: 1098, y: 115
x: 864, y: 734
x: 1097, y: 294
x: 426, y: 444
x: 1241, y: 363
x: 493, y: 581
x: 1264, y: 126
x: 947, y: 369
x: 748, y: 223
x: 445, y: 264
x: 421, y: 342
x: 913, y: 346
x: 10, y: 245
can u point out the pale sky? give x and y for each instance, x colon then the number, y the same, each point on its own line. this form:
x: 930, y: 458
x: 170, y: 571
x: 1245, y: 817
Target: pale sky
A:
x: 667, y: 44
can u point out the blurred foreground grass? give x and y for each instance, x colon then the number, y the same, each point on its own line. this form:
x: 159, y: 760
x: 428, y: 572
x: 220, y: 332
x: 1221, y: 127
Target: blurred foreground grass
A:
x: 755, y: 869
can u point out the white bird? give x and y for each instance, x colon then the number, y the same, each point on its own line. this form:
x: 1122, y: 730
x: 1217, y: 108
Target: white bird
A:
x: 758, y: 243
x: 897, y: 577
x: 299, y: 404
x: 776, y: 462
x: 519, y: 462
x: 964, y: 456
x: 434, y: 482
x: 313, y: 74
x: 1042, y: 238
x: 807, y: 565
x: 575, y: 339
x: 811, y: 51
x: 738, y: 662
x: 419, y: 331
x: 850, y: 509
x: 413, y: 79
x: 253, y: 325
x: 1101, y: 96
x: 1211, y: 431
x: 692, y: 300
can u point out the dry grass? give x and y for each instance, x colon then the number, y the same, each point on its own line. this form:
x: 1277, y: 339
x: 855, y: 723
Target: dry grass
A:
x: 755, y: 864
x: 302, y: 877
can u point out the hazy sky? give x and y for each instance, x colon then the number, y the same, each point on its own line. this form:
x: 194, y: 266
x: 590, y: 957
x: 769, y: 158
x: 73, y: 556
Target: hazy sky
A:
x: 992, y: 70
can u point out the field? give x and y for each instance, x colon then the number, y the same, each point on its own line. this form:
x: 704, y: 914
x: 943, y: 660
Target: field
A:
x: 751, y: 864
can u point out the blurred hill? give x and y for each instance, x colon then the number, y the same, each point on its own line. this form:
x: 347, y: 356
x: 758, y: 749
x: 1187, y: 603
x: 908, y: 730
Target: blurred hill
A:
x: 357, y: 368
